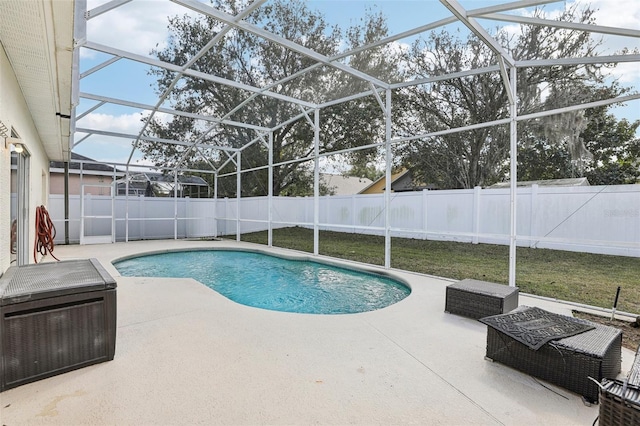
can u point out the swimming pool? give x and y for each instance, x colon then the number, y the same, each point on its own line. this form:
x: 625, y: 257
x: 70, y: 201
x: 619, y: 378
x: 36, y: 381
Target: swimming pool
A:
x: 274, y: 283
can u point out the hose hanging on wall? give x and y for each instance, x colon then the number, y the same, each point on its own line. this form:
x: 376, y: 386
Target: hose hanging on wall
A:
x: 45, y: 234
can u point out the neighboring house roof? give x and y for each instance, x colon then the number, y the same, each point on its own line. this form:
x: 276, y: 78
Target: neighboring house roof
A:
x: 405, y: 182
x: 583, y: 181
x: 400, y: 182
x: 377, y: 187
x: 162, y: 178
x: 90, y: 164
x: 344, y: 185
x: 153, y: 184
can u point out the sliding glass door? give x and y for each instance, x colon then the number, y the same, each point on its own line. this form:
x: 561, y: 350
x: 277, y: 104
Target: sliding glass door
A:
x: 19, y: 208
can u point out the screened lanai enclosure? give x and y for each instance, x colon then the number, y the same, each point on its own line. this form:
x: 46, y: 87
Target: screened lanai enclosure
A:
x: 259, y: 98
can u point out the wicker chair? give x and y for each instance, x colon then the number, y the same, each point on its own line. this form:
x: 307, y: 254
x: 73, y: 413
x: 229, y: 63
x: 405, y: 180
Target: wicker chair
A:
x: 620, y: 400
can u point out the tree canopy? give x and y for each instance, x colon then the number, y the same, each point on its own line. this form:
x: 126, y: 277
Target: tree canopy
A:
x: 576, y: 142
x: 612, y: 146
x: 243, y: 57
x: 480, y: 156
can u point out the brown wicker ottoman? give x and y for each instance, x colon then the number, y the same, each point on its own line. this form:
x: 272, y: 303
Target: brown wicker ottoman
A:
x: 567, y: 362
x: 55, y: 317
x: 477, y: 299
x: 620, y: 400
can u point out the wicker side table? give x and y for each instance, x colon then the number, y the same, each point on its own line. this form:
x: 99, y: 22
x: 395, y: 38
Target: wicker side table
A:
x: 478, y: 299
x: 55, y: 317
x: 620, y: 400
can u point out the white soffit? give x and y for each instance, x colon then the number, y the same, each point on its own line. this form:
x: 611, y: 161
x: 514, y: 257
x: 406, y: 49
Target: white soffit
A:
x: 37, y: 36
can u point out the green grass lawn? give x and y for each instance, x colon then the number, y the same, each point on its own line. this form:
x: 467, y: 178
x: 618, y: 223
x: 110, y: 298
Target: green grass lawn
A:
x: 577, y: 277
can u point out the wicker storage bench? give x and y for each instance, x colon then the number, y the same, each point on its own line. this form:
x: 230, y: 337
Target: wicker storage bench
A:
x: 567, y: 362
x: 55, y: 317
x: 477, y: 299
x: 620, y: 400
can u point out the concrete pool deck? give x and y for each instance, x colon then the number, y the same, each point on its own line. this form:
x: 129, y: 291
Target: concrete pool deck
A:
x: 187, y: 355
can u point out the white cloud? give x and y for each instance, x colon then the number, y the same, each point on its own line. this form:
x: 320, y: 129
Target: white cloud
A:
x: 108, y: 148
x: 621, y: 14
x: 125, y: 123
x: 137, y: 26
x: 618, y: 13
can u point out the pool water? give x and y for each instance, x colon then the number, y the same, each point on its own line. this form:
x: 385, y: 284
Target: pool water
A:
x: 271, y: 282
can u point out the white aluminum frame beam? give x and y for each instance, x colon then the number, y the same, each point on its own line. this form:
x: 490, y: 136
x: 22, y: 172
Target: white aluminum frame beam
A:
x: 103, y: 8
x: 460, y: 74
x: 116, y: 101
x: 150, y: 139
x: 477, y: 29
x: 387, y: 188
x: 513, y: 171
x: 600, y: 29
x: 612, y: 59
x: 245, y: 26
x: 98, y: 67
x: 270, y: 193
x: 391, y: 39
x: 316, y: 182
x: 238, y: 192
x: 215, y: 40
x: 191, y: 73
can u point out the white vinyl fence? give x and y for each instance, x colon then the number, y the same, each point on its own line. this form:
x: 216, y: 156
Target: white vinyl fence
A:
x: 596, y: 219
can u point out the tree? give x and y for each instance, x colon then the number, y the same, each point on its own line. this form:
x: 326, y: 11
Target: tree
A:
x: 244, y: 57
x: 478, y: 157
x: 369, y: 171
x: 614, y: 150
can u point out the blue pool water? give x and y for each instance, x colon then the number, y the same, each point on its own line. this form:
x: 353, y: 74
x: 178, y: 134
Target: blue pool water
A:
x: 274, y: 283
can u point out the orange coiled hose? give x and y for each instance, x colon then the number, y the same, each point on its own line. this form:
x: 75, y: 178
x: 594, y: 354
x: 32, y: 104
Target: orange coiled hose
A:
x: 45, y: 234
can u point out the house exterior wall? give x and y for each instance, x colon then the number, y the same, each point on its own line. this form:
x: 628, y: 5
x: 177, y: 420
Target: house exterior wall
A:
x: 15, y: 114
x: 57, y: 183
x: 377, y: 187
x: 5, y: 171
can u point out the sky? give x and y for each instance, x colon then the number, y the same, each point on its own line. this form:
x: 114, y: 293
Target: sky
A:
x: 140, y: 26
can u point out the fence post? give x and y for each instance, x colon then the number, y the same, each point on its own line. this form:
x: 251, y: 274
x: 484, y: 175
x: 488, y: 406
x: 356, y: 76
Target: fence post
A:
x: 425, y: 212
x: 141, y: 217
x: 226, y: 213
x: 532, y: 215
x: 187, y: 218
x: 476, y: 214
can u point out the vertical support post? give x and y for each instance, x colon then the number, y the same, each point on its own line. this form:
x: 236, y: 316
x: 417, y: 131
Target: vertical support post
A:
x: 476, y: 214
x: 387, y: 189
x: 175, y: 204
x: 215, y: 205
x: 425, y: 212
x: 316, y: 182
x: 81, y: 167
x: 142, y: 207
x: 114, y: 193
x: 113, y: 206
x: 270, y: 195
x: 353, y: 213
x: 66, y: 202
x: 238, y: 192
x: 513, y: 135
x: 126, y: 204
x: 82, y: 202
x: 532, y: 215
x: 226, y: 213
